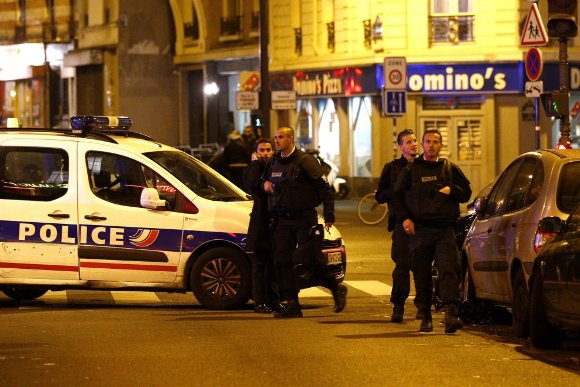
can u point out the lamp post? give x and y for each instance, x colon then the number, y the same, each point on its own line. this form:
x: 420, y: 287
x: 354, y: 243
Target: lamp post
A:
x: 264, y: 70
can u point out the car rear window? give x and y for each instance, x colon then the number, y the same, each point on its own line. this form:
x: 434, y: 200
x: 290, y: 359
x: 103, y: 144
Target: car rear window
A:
x: 569, y: 187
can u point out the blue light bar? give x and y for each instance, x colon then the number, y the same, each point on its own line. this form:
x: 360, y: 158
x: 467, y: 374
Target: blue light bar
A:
x: 84, y: 124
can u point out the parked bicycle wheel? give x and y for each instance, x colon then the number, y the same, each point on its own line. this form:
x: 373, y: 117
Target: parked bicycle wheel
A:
x: 369, y: 211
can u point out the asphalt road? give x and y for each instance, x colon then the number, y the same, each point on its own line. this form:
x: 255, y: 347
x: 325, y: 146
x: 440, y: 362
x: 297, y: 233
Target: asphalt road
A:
x: 95, y: 338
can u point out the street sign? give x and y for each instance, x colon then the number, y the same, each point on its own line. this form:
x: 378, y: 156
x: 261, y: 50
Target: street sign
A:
x: 534, y: 33
x: 534, y: 64
x: 284, y: 100
x: 534, y: 89
x: 394, y: 102
x: 247, y: 100
x: 395, y: 72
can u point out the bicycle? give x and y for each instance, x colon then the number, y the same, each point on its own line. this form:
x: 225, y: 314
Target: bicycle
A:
x: 369, y: 211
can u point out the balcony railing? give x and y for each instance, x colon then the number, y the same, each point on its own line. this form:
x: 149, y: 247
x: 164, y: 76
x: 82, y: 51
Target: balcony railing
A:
x: 231, y: 25
x: 298, y: 41
x: 451, y: 29
x: 330, y: 32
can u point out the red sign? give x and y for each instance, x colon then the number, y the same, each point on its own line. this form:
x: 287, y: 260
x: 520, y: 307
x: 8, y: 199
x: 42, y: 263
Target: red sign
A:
x: 534, y: 64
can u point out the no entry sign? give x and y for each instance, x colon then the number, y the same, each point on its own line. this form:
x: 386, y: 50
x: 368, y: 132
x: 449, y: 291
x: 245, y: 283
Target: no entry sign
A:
x: 534, y: 64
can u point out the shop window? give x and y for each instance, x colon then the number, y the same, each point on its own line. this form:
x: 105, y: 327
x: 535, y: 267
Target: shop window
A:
x: 360, y: 110
x: 469, y: 139
x: 451, y: 21
x: 304, y: 123
x: 329, y: 132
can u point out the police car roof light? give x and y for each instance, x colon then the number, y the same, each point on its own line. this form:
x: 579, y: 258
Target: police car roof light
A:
x: 84, y: 124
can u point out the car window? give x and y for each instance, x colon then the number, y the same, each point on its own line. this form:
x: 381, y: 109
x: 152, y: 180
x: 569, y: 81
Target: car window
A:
x: 197, y: 176
x: 120, y: 180
x: 496, y: 200
x: 569, y: 187
x: 574, y: 220
x: 27, y: 173
x: 527, y: 184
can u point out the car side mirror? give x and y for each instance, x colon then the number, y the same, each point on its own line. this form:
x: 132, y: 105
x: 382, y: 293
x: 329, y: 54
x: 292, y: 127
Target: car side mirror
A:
x: 150, y: 199
x: 479, y: 205
x: 551, y: 224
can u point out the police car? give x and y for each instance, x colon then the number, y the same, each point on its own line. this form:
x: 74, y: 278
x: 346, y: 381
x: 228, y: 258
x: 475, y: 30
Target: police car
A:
x: 98, y: 206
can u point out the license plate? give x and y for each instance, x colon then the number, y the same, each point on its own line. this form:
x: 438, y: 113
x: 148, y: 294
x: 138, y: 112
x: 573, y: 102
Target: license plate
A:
x: 334, y: 258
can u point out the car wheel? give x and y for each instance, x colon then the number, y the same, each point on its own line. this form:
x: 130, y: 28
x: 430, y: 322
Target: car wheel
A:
x: 520, y: 302
x: 543, y: 334
x: 23, y: 294
x: 221, y: 279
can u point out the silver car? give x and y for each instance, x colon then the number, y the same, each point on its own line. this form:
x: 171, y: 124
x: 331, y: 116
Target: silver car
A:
x: 504, y: 240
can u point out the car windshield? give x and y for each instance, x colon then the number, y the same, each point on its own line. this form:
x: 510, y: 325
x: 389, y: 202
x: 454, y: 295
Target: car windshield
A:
x: 569, y: 187
x: 197, y: 176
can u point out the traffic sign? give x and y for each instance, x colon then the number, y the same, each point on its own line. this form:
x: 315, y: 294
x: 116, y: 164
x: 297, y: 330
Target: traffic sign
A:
x: 395, y: 72
x: 534, y: 64
x: 534, y: 33
x: 394, y: 102
x: 534, y: 89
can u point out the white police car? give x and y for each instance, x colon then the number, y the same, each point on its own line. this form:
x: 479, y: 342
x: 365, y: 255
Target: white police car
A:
x: 100, y: 207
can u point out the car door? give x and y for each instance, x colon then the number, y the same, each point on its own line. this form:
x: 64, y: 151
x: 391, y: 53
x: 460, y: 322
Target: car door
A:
x: 484, y: 245
x: 39, y: 218
x: 119, y: 239
x: 573, y: 262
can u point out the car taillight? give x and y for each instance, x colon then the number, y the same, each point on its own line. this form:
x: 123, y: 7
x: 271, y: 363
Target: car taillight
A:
x: 540, y: 238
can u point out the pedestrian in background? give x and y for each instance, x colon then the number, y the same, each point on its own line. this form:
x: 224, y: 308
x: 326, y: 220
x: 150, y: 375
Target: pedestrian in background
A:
x: 259, y: 238
x: 236, y: 157
x: 296, y: 186
x: 249, y: 138
x: 400, y: 253
x: 428, y: 192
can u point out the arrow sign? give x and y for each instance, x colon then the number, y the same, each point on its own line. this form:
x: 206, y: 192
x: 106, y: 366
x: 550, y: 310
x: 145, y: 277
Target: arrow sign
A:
x: 534, y: 33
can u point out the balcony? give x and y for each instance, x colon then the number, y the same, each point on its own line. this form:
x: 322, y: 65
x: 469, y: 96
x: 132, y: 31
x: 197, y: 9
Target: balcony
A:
x: 451, y: 29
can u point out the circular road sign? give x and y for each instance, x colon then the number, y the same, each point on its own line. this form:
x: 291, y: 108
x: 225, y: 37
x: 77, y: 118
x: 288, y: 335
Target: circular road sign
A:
x: 534, y: 64
x: 395, y: 77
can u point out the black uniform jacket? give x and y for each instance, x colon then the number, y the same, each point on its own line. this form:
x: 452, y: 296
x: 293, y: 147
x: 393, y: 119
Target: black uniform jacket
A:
x: 417, y: 195
x: 259, y: 233
x: 386, y: 190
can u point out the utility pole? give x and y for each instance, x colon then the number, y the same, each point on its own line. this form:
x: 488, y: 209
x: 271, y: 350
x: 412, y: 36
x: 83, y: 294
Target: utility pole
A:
x: 264, y: 69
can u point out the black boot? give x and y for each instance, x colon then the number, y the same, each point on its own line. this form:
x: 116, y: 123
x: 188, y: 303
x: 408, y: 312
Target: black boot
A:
x: 426, y: 322
x: 452, y: 320
x: 398, y: 312
x: 292, y: 309
x: 339, y: 295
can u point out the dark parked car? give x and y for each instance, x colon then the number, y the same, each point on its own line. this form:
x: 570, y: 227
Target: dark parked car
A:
x: 555, y: 283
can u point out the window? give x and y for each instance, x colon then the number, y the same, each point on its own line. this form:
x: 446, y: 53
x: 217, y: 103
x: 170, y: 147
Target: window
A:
x: 231, y: 20
x: 121, y: 180
x: 569, y: 187
x: 451, y: 21
x: 33, y: 173
x: 497, y: 198
x: 527, y: 185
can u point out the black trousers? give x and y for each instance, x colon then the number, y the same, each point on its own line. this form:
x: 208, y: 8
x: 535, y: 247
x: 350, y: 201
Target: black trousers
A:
x: 439, y: 243
x: 294, y: 246
x: 401, y: 255
x: 263, y: 276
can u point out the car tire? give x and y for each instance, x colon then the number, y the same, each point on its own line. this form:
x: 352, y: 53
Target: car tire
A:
x: 221, y: 279
x: 23, y: 294
x: 542, y: 334
x: 520, y: 305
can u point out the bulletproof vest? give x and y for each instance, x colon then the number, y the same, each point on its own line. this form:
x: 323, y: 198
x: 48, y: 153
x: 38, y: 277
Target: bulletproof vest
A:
x: 292, y: 189
x: 426, y: 204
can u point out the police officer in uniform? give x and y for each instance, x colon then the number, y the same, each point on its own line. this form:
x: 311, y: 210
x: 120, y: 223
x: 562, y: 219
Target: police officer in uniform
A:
x: 259, y: 238
x: 428, y: 193
x: 296, y: 185
x: 400, y: 253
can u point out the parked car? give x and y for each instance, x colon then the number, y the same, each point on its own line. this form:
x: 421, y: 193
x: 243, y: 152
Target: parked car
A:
x: 555, y: 283
x: 98, y: 206
x: 502, y: 244
x: 468, y: 215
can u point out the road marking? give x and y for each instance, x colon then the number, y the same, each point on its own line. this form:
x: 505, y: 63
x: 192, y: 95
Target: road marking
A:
x: 134, y: 297
x: 374, y: 288
x: 313, y: 292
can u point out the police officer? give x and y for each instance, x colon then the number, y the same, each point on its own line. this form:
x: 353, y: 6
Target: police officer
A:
x: 296, y: 185
x: 400, y: 254
x: 259, y: 238
x: 428, y: 192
